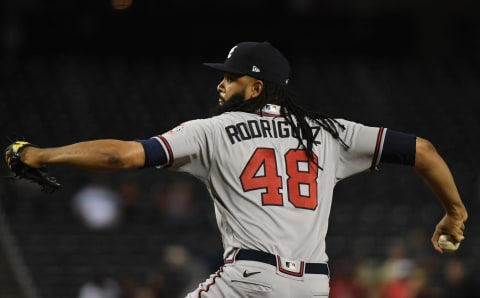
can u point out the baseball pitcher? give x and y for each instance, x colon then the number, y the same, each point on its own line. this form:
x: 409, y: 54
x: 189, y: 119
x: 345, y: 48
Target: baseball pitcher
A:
x: 270, y: 168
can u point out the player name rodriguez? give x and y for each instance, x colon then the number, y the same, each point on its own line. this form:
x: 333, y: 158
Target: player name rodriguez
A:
x: 252, y: 129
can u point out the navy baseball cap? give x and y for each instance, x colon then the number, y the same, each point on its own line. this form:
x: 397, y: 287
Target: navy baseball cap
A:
x: 260, y: 60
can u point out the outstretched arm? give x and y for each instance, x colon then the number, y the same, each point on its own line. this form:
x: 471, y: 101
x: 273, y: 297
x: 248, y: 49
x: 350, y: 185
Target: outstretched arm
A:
x: 98, y: 155
x: 432, y: 168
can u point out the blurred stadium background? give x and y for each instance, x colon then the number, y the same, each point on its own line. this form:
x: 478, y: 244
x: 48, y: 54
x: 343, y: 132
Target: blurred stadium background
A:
x: 79, y: 70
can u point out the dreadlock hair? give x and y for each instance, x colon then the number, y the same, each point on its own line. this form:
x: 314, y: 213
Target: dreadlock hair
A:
x: 284, y: 97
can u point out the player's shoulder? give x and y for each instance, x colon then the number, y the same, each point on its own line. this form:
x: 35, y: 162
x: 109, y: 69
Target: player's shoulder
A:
x: 214, y: 121
x: 229, y: 117
x: 348, y: 122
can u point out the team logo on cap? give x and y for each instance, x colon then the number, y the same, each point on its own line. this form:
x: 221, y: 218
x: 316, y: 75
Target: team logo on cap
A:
x: 255, y: 69
x: 231, y: 52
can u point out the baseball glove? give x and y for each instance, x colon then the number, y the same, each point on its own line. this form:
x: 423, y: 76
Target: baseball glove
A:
x: 22, y: 171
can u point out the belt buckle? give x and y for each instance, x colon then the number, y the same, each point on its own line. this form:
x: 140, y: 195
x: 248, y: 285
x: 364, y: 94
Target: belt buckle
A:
x: 295, y: 268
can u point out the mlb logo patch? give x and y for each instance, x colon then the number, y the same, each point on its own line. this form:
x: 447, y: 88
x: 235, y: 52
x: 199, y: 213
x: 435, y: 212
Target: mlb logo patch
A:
x: 290, y: 267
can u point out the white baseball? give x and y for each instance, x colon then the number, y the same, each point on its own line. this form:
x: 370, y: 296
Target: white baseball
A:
x: 446, y: 244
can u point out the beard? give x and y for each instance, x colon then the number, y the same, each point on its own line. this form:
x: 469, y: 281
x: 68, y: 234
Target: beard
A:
x: 236, y: 101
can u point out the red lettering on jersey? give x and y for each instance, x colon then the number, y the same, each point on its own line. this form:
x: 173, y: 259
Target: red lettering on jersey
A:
x: 301, y: 181
x: 298, y: 177
x: 269, y: 180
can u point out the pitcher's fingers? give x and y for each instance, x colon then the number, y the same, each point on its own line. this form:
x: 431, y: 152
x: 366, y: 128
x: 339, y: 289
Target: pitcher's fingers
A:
x: 457, y: 238
x: 436, y: 246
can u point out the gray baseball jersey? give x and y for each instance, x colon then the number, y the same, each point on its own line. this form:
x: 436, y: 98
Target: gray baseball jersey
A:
x: 268, y: 195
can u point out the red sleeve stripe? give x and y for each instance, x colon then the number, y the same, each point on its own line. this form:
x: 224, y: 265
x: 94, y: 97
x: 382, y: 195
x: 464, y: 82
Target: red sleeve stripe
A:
x: 169, y: 151
x: 377, y: 149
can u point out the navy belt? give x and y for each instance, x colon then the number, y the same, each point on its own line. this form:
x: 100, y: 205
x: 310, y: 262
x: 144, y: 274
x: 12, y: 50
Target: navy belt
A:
x: 267, y: 258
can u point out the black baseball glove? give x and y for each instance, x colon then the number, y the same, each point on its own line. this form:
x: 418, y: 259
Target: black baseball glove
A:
x: 22, y: 171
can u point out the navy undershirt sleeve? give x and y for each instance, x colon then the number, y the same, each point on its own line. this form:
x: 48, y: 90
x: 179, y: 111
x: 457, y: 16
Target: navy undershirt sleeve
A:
x: 154, y: 153
x: 399, y: 148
